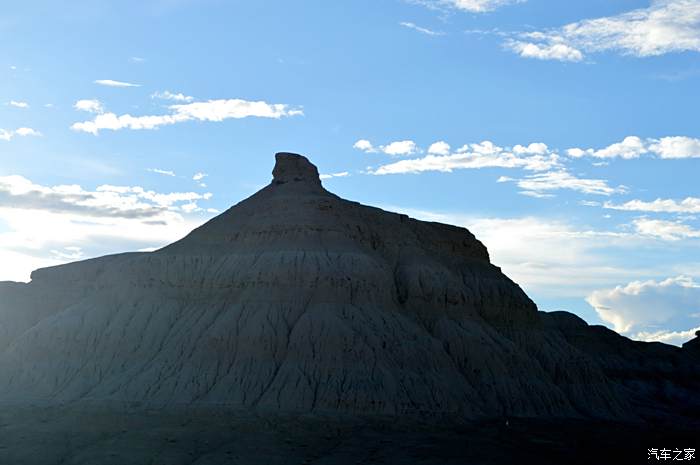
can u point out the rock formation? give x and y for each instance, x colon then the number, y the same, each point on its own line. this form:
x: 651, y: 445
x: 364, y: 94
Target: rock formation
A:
x: 297, y: 300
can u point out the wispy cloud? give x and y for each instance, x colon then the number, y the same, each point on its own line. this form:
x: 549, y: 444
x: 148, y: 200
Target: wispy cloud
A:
x: 341, y: 174
x: 113, y: 83
x: 542, y: 184
x: 634, y: 147
x: 665, y: 26
x: 211, y: 110
x: 199, y: 178
x: 18, y: 104
x: 420, y: 29
x: 687, y: 205
x: 163, y: 172
x: 665, y: 230
x: 470, y: 6
x: 177, y: 97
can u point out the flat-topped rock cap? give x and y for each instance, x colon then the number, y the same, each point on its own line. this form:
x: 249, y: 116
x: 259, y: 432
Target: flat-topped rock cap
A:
x: 292, y: 167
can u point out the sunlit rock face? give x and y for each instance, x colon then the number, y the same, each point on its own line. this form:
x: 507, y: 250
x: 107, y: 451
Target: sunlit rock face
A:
x: 298, y: 300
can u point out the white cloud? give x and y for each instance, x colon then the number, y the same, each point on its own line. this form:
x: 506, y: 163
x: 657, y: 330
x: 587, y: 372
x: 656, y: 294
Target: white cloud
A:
x: 667, y: 336
x: 422, y: 30
x: 552, y: 51
x: 537, y: 148
x: 666, y: 26
x: 364, y: 145
x: 630, y: 147
x: 16, y: 104
x: 676, y: 147
x: 163, y: 172
x: 89, y: 105
x: 137, y: 60
x: 540, y: 184
x: 666, y: 230
x: 8, y: 135
x: 687, y: 205
x: 24, y: 132
x: 399, y: 147
x: 342, y: 174
x: 439, y: 148
x: 211, y: 110
x: 650, y: 307
x: 199, y: 176
x: 48, y: 225
x: 167, y: 95
x: 474, y: 156
x: 634, y: 147
x: 113, y: 83
x: 470, y: 6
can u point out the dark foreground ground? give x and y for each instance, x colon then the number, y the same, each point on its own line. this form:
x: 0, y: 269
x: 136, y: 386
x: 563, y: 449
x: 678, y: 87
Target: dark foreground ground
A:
x: 85, y: 434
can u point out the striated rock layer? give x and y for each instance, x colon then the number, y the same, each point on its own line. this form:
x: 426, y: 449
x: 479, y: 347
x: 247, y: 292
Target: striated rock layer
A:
x: 298, y: 300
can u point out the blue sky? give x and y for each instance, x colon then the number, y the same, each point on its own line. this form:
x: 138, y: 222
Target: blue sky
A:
x: 565, y: 135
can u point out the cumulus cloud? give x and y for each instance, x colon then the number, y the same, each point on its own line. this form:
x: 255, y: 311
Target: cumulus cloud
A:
x: 439, y: 148
x: 24, y: 132
x: 666, y: 230
x: 652, y: 309
x: 211, y: 110
x: 16, y: 104
x: 634, y: 147
x: 48, y: 225
x: 89, y: 105
x: 113, y: 83
x: 687, y: 205
x: 470, y: 6
x: 399, y: 147
x: 177, y: 97
x: 420, y: 29
x: 665, y: 26
x: 474, y: 156
x: 552, y: 51
x: 8, y: 135
x: 364, y: 145
x: 675, y: 147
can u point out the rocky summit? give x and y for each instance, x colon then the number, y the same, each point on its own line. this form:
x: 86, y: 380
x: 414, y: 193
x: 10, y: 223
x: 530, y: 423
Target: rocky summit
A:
x: 296, y: 300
